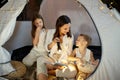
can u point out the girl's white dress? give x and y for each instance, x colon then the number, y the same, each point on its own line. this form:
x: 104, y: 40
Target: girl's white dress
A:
x: 36, y: 51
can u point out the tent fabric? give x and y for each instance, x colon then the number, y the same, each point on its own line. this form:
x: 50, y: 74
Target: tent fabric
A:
x: 8, y: 15
x: 106, y: 21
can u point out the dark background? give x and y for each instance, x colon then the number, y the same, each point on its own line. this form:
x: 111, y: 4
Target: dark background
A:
x: 3, y: 2
x: 31, y: 7
x: 112, y: 3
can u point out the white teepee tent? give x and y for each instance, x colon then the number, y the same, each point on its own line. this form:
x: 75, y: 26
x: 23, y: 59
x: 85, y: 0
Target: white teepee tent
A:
x: 107, y: 23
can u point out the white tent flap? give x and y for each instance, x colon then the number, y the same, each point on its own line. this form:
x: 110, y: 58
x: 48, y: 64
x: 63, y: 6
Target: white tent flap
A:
x: 8, y: 15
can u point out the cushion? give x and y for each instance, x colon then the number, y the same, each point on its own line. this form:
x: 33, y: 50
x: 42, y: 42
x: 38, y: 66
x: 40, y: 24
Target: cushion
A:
x: 20, y: 53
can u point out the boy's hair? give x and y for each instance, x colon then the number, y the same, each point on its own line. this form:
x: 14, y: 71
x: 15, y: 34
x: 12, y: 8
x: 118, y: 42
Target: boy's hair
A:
x: 87, y: 38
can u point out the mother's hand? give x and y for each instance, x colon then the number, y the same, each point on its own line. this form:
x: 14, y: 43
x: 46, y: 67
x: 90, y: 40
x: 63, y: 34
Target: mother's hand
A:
x: 55, y: 40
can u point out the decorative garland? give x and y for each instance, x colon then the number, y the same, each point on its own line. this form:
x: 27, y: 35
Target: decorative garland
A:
x: 112, y: 4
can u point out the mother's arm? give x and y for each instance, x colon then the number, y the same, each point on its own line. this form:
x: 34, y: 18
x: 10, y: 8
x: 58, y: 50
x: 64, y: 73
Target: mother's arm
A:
x: 54, y: 41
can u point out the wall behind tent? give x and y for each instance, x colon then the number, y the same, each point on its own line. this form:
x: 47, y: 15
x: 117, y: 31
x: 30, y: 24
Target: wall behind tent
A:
x: 28, y: 11
x: 50, y: 10
x: 81, y: 21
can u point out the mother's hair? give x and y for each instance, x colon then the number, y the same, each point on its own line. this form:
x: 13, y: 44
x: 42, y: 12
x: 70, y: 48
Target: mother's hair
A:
x: 62, y: 20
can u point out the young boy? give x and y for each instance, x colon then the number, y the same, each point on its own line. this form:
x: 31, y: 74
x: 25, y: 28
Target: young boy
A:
x: 83, y: 57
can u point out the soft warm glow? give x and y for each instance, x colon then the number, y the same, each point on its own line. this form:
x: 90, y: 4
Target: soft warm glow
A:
x: 101, y: 7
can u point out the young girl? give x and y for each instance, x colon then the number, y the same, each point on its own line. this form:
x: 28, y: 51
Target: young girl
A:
x: 85, y: 61
x: 38, y: 37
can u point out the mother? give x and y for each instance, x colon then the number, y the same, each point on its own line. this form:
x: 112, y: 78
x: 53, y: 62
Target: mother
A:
x: 59, y: 48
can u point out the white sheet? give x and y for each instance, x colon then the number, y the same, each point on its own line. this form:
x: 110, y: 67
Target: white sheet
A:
x: 8, y: 15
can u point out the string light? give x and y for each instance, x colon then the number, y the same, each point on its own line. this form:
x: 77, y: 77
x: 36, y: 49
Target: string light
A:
x: 109, y: 11
x: 103, y: 8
